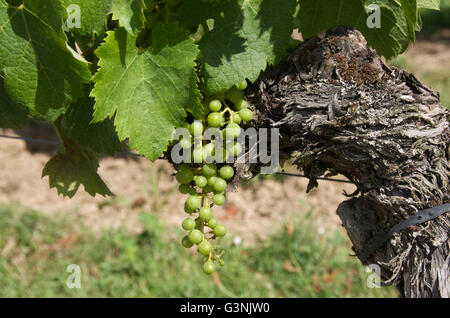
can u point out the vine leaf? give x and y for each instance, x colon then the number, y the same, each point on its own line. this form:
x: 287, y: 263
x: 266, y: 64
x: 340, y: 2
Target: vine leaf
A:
x: 247, y: 36
x: 429, y: 4
x: 11, y: 115
x: 39, y: 69
x: 148, y: 90
x: 99, y: 137
x: 391, y: 39
x: 72, y: 167
x: 130, y: 14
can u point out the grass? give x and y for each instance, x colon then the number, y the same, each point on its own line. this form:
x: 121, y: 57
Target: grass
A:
x: 296, y: 261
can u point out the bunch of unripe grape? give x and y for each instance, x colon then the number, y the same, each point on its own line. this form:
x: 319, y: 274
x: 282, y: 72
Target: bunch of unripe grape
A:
x: 205, y: 179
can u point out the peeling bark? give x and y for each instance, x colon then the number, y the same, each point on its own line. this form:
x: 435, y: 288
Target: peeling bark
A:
x: 341, y: 110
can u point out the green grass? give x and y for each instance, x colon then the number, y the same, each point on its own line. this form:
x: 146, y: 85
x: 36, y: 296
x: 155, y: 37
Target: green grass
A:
x: 35, y: 251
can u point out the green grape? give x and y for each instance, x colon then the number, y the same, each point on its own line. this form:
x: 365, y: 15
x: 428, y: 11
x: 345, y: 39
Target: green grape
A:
x: 205, y: 213
x: 212, y: 223
x: 212, y: 180
x: 208, y: 151
x: 243, y: 85
x: 185, y: 143
x: 209, y: 268
x: 184, y: 176
x: 197, y: 154
x: 196, y: 128
x: 205, y: 248
x: 226, y: 172
x: 219, y: 230
x: 188, y: 224
x: 208, y: 189
x: 235, y: 118
x: 219, y: 199
x: 186, y: 243
x: 215, y: 120
x: 200, y: 181
x: 235, y: 149
x: 246, y: 114
x: 215, y: 105
x: 232, y: 131
x: 193, y: 202
x: 220, y: 185
x: 242, y: 104
x: 184, y: 188
x: 187, y: 209
x: 209, y: 169
x: 235, y: 95
x: 195, y: 236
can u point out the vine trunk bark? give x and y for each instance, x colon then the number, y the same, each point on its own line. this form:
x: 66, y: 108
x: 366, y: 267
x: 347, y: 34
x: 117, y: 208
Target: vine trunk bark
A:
x: 341, y: 110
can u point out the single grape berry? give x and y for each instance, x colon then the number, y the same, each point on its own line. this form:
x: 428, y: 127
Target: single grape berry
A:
x: 215, y: 105
x: 220, y: 230
x: 188, y: 224
x: 195, y: 236
x: 212, y: 180
x: 184, y: 188
x: 219, y: 199
x: 242, y: 104
x: 200, y: 181
x: 186, y: 143
x: 235, y: 95
x: 215, y: 120
x: 205, y: 248
x: 193, y: 202
x: 197, y: 154
x: 184, y: 176
x: 209, y: 169
x: 234, y: 149
x: 186, y: 243
x: 208, y: 152
x: 220, y: 185
x: 196, y: 128
x: 236, y: 118
x: 212, y: 223
x: 209, y: 268
x: 226, y: 172
x: 232, y: 131
x: 184, y: 166
x: 246, y: 114
x: 205, y: 213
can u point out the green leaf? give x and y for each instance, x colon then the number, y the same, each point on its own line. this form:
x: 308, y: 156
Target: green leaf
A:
x: 429, y: 4
x: 99, y: 137
x: 391, y: 39
x: 247, y: 36
x: 92, y: 15
x: 130, y: 14
x: 74, y: 166
x: 40, y: 71
x: 411, y: 12
x: 148, y: 90
x: 11, y: 115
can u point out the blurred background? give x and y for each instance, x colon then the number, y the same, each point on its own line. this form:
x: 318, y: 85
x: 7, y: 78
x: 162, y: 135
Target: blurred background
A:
x: 281, y: 242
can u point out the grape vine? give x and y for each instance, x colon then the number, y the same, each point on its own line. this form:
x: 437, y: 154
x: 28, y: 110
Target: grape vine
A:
x: 107, y: 72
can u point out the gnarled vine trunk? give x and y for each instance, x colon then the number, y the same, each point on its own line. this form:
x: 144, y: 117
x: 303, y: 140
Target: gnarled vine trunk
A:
x: 341, y: 110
